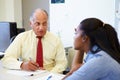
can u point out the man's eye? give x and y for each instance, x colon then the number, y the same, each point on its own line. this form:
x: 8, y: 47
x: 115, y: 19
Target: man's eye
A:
x: 37, y: 24
x: 44, y: 24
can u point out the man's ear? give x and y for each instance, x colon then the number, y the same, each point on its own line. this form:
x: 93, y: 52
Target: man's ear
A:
x: 30, y: 24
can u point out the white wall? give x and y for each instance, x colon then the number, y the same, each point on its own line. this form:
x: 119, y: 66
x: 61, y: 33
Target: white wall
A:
x: 9, y: 8
x: 11, y: 11
x: 65, y: 17
x: 18, y: 12
x: 117, y: 17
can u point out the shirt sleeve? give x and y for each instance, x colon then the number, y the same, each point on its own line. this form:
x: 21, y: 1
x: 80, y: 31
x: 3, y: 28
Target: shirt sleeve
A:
x: 10, y: 60
x: 60, y: 59
x: 91, y: 70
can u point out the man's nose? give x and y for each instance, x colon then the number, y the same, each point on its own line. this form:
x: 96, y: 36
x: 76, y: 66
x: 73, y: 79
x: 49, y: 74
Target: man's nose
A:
x: 41, y: 27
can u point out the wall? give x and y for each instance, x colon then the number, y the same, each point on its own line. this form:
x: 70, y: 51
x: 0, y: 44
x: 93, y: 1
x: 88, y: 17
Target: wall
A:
x: 18, y: 12
x: 9, y: 7
x: 10, y: 10
x: 2, y: 10
x: 28, y: 6
x: 117, y: 17
x: 64, y: 17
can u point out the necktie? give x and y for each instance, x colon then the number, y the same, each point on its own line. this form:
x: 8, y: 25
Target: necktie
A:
x: 39, y: 56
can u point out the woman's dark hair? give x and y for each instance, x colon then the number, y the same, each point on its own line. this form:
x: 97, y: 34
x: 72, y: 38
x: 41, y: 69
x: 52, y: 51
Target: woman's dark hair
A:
x: 103, y: 35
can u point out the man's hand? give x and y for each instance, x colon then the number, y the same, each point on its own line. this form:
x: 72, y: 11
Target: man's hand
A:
x: 30, y: 66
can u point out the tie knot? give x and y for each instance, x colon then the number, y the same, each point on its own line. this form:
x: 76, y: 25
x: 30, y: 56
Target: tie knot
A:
x: 39, y: 37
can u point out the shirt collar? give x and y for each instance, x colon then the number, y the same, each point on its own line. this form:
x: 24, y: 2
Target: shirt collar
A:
x: 91, y: 54
x: 43, y: 36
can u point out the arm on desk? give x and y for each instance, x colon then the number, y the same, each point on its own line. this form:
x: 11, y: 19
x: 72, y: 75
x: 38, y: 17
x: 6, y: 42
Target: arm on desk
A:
x: 77, y: 62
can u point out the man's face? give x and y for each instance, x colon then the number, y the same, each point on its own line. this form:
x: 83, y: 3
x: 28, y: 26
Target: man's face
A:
x: 39, y: 23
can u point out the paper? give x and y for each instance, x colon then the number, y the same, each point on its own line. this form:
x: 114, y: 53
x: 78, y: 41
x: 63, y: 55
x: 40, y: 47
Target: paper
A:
x: 51, y: 76
x: 25, y: 73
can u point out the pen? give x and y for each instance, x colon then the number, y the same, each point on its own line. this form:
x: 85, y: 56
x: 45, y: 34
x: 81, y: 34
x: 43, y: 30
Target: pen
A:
x: 30, y: 58
x: 31, y: 74
x: 32, y: 62
x: 49, y: 77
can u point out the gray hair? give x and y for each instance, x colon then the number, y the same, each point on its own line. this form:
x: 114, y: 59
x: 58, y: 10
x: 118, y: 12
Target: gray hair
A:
x: 31, y: 17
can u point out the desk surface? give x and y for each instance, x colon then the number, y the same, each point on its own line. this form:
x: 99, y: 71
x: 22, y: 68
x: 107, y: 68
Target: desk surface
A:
x: 4, y: 75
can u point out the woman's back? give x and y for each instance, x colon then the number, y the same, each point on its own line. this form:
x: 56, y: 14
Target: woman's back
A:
x: 99, y: 66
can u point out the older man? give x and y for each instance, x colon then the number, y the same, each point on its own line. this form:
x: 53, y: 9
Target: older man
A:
x: 25, y: 48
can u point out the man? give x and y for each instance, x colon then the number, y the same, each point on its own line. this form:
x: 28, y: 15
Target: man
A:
x: 24, y: 47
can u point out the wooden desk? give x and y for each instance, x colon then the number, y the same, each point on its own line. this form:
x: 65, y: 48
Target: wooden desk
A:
x: 4, y: 75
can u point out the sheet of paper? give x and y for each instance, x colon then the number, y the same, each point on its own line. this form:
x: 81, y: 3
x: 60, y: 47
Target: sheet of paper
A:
x: 25, y: 73
x: 53, y: 77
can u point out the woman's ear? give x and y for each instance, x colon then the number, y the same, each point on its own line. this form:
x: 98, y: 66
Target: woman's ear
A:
x: 84, y: 38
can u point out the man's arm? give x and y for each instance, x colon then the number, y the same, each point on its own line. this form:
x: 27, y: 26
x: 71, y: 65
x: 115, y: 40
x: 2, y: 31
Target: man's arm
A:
x: 60, y: 60
x: 10, y: 59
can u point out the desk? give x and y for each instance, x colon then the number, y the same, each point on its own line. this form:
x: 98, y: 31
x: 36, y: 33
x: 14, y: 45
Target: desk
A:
x: 4, y: 75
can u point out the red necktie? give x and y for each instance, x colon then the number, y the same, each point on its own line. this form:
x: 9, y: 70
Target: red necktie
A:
x: 39, y: 58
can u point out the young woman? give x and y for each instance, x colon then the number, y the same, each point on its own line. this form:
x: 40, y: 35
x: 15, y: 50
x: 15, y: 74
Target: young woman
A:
x: 99, y: 40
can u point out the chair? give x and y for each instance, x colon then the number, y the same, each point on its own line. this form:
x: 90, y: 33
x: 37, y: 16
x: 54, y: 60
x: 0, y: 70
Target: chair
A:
x: 70, y: 56
x: 7, y: 31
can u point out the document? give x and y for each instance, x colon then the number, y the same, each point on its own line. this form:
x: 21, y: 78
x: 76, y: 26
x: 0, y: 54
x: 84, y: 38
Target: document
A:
x: 47, y: 76
x: 25, y: 73
x: 51, y: 76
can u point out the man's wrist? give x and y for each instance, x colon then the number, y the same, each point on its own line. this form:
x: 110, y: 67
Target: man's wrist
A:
x: 21, y: 66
